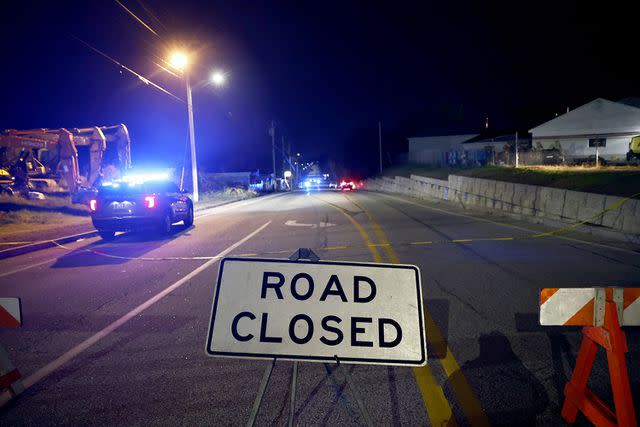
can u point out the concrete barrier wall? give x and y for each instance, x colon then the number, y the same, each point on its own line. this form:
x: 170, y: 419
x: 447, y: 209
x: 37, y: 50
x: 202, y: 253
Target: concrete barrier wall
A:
x: 527, y: 200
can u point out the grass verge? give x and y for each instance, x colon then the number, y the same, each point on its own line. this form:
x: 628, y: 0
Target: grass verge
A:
x: 621, y: 181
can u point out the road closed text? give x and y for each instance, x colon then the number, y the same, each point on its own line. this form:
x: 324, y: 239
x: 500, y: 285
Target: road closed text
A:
x: 360, y: 331
x: 316, y: 311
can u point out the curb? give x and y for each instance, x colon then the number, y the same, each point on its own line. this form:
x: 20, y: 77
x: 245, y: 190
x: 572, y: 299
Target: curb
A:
x: 45, y: 244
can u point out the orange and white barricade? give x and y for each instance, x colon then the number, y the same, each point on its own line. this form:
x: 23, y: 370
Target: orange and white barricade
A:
x: 10, y: 317
x: 601, y: 312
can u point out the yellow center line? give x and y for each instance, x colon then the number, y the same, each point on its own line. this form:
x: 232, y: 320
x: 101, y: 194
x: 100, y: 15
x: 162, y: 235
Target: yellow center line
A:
x: 462, y: 240
x: 512, y: 226
x: 438, y: 408
x: 469, y: 402
x: 434, y: 399
x: 374, y: 251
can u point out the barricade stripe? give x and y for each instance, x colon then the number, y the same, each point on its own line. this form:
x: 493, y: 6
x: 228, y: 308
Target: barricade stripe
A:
x: 631, y: 314
x: 7, y: 320
x: 584, y: 316
x: 564, y: 304
x: 547, y: 293
x: 630, y: 296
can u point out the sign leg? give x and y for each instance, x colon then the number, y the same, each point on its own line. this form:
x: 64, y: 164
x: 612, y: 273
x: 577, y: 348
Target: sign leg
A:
x: 263, y: 386
x: 356, y: 394
x: 7, y: 370
x: 292, y: 399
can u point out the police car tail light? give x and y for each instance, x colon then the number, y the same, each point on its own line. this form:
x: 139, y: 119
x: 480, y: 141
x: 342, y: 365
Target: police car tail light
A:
x: 150, y: 201
x: 93, y: 205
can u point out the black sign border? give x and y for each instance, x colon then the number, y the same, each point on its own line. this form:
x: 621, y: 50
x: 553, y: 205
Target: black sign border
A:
x: 423, y: 347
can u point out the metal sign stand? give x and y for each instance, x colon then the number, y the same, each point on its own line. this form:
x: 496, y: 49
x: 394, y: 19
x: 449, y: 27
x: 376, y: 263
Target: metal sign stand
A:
x: 303, y: 254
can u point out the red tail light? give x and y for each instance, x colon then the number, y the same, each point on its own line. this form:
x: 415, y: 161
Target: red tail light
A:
x: 150, y: 201
x: 93, y: 205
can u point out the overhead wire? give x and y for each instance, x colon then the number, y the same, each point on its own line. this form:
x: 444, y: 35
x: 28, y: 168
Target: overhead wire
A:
x: 142, y: 78
x: 144, y: 24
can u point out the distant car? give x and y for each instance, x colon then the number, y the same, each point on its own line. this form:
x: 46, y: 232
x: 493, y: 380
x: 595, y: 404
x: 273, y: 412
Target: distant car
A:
x: 347, y: 185
x: 133, y: 206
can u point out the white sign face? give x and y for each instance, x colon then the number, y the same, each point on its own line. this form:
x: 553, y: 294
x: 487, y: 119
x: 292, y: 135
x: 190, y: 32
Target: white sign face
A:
x: 317, y: 311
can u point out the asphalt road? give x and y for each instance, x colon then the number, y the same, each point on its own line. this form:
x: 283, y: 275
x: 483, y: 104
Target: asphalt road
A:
x: 114, y: 333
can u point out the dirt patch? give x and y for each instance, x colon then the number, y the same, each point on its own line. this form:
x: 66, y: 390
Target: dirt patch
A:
x: 26, y: 225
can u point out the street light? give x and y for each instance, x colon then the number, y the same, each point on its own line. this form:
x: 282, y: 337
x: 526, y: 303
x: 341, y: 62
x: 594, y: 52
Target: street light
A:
x: 218, y: 78
x: 180, y: 61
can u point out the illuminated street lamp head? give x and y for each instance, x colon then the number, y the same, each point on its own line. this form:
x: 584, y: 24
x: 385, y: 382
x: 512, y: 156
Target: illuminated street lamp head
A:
x: 218, y: 78
x: 179, y: 60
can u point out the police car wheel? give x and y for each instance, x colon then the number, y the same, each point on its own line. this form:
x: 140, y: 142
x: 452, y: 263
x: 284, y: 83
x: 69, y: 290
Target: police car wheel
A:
x: 165, y: 223
x: 188, y: 221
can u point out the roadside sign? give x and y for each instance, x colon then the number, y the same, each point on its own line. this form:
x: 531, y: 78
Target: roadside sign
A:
x: 318, y: 311
x: 10, y: 313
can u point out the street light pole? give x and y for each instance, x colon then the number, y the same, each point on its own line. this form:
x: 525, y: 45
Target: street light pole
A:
x: 192, y: 140
x: 380, y: 143
x: 273, y: 147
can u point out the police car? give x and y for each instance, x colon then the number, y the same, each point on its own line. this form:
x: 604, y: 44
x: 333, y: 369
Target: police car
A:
x: 146, y: 202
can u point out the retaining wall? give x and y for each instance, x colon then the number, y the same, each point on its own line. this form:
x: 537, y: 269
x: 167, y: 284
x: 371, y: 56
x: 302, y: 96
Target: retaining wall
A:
x: 538, y: 203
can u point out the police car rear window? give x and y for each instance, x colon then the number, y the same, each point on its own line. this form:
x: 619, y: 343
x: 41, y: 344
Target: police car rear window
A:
x: 138, y: 188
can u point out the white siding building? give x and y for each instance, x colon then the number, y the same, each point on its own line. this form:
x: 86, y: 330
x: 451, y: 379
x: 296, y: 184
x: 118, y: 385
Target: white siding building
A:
x: 600, y: 122
x: 431, y: 150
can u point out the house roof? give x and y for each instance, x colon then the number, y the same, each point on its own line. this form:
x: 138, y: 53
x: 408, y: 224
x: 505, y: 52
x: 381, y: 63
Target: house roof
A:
x: 498, y: 136
x: 442, y: 142
x: 634, y: 101
x: 598, y: 117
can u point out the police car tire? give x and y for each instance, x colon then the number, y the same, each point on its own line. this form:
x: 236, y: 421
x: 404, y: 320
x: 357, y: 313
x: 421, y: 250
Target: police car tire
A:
x: 188, y: 221
x: 165, y: 223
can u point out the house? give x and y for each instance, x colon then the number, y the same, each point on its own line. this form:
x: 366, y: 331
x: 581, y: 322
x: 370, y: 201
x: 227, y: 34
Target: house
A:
x: 601, y: 125
x: 432, y: 150
x: 494, y: 147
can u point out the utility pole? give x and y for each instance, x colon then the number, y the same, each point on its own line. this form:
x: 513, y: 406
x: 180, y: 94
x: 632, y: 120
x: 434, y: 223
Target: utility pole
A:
x: 284, y: 159
x: 517, y: 157
x: 380, y: 143
x: 192, y: 141
x: 272, y: 131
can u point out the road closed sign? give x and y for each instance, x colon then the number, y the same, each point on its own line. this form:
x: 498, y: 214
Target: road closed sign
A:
x: 317, y: 311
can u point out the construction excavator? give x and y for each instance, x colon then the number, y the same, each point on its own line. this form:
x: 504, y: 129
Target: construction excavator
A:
x: 66, y: 160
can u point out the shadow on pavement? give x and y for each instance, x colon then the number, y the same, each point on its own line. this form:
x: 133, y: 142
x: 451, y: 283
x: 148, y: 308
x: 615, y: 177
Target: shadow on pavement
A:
x: 510, y: 394
x: 125, y: 247
x: 439, y: 311
x: 564, y: 343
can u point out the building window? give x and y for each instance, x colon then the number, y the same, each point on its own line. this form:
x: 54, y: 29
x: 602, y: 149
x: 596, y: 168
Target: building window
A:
x: 597, y: 142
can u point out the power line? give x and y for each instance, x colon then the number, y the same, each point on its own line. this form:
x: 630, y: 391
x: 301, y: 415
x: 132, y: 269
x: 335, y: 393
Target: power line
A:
x: 151, y: 14
x: 139, y: 76
x: 137, y: 19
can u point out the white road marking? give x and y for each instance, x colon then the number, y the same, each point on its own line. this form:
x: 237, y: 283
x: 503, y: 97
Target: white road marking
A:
x: 27, y: 267
x: 84, y: 345
x: 210, y: 211
x: 294, y: 223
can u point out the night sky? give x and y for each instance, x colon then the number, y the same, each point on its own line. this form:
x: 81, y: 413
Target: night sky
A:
x: 326, y: 72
